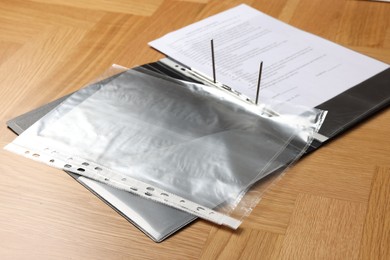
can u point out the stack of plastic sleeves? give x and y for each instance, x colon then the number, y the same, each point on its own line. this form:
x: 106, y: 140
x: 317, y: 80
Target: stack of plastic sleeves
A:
x: 189, y: 146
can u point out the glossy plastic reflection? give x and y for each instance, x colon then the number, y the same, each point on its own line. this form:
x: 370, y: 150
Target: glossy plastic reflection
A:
x: 188, y: 139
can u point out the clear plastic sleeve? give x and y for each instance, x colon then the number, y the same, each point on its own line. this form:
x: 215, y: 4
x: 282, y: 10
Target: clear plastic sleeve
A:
x: 187, y: 145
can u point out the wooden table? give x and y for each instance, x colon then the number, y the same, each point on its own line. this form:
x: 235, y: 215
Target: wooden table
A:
x: 333, y: 204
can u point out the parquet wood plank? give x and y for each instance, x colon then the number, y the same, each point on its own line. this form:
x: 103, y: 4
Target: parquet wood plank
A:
x: 23, y: 14
x: 325, y: 17
x: 7, y: 49
x: 273, y: 213
x: 282, y: 8
x: 376, y: 233
x: 119, y: 6
x: 93, y: 54
x: 18, y: 32
x: 288, y: 10
x: 163, y: 21
x: 324, y: 228
x: 342, y: 178
x: 244, y: 244
x: 31, y: 64
x: 364, y: 23
x: 379, y: 54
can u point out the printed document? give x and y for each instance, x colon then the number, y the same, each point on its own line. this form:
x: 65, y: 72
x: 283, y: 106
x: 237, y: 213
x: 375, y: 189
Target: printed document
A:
x: 298, y: 66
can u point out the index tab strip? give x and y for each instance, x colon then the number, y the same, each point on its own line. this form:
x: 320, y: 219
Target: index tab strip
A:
x: 320, y: 137
x: 100, y: 173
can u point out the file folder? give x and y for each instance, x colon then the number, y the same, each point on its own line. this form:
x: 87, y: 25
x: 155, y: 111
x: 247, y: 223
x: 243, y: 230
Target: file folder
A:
x: 345, y: 110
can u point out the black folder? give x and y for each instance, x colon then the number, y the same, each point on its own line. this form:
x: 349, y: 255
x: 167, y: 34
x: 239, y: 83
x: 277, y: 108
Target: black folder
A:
x: 344, y: 111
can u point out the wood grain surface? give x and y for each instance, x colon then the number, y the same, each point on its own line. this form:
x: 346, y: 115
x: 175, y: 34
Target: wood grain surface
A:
x: 333, y: 204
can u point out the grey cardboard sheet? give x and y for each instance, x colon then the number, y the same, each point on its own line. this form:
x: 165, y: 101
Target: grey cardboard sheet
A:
x: 154, y: 219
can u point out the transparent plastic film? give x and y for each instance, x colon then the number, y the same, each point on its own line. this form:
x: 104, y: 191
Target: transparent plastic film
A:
x: 190, y: 146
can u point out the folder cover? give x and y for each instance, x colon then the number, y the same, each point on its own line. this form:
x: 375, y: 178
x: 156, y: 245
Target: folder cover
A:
x: 159, y: 221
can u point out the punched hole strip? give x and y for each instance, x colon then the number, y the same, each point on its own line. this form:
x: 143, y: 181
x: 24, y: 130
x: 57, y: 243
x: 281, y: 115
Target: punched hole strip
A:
x: 197, y: 75
x: 104, y: 175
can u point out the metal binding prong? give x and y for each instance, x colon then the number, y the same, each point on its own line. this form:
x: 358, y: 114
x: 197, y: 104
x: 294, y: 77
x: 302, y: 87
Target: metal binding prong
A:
x: 213, y: 60
x: 258, y: 83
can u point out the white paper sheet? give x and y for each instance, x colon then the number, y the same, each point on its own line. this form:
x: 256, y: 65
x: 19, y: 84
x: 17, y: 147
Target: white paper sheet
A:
x: 298, y: 66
